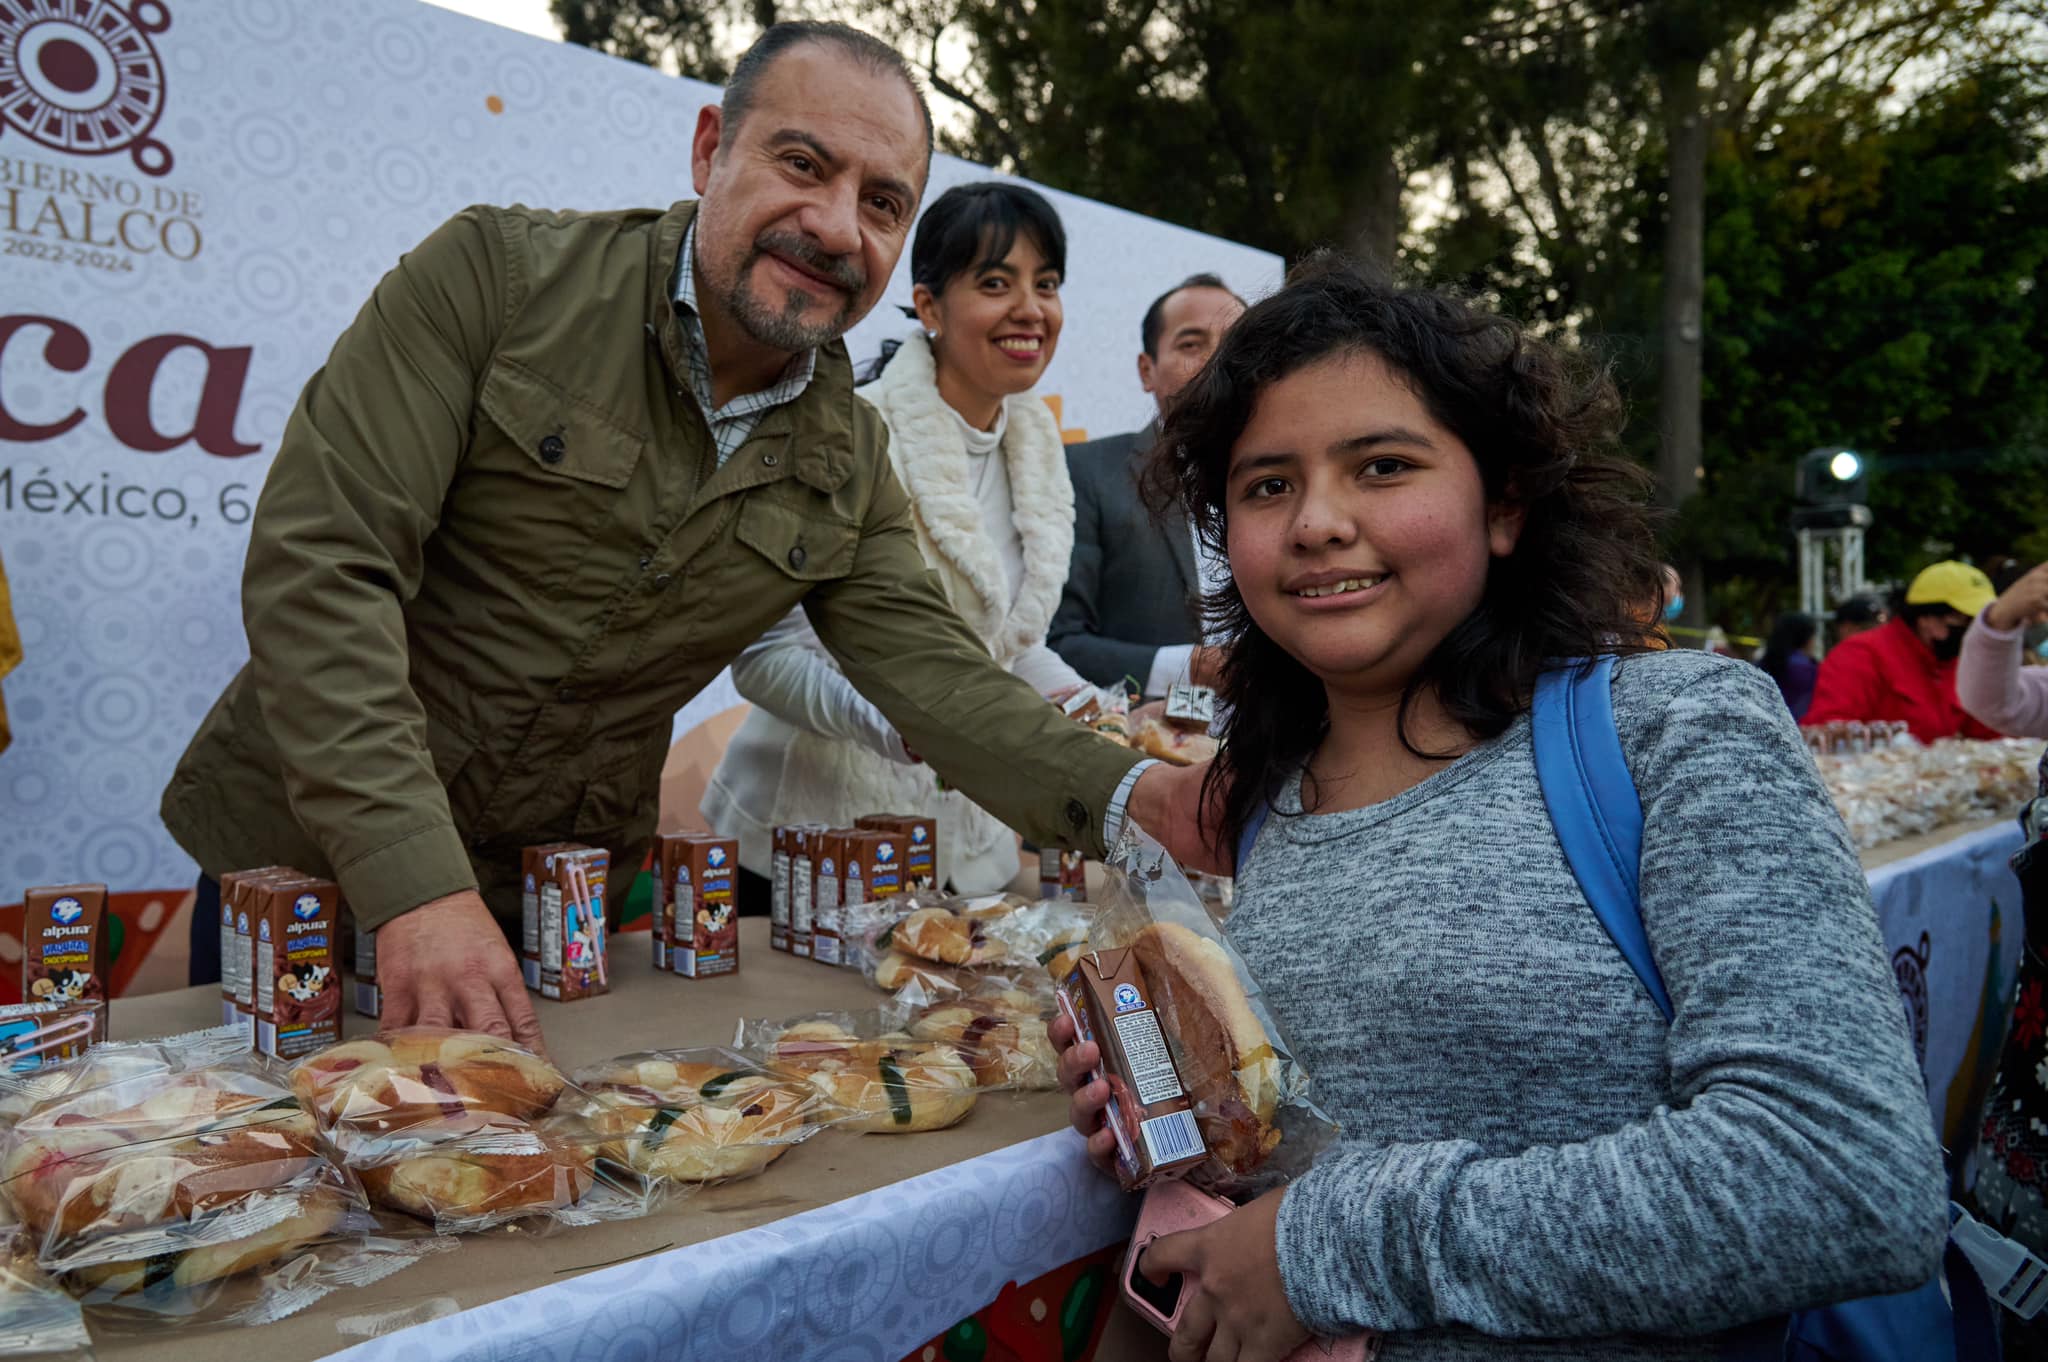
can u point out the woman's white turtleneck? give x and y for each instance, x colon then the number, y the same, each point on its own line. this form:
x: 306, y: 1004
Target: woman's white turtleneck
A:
x: 989, y: 476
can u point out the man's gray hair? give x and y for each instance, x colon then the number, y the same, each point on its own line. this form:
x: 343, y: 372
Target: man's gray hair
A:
x: 876, y: 55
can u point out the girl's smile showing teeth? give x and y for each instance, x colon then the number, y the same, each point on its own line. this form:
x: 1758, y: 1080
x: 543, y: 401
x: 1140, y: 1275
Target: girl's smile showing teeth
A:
x: 1340, y: 588
x: 1021, y: 347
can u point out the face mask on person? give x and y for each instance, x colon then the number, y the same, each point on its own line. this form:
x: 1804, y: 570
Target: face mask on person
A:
x: 1675, y: 607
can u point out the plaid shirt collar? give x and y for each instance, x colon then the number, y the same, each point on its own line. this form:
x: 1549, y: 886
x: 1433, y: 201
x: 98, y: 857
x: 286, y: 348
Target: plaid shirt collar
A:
x: 746, y: 407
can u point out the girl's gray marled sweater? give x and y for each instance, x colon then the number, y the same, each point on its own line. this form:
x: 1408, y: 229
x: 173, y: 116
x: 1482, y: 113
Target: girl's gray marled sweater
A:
x: 1533, y: 1163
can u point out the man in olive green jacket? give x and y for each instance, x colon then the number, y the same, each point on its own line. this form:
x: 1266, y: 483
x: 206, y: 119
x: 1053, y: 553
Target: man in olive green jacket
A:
x: 503, y: 542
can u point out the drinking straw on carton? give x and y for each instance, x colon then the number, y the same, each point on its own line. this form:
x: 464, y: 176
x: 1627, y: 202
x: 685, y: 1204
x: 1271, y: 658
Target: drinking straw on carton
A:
x: 579, y: 890
x: 52, y: 1035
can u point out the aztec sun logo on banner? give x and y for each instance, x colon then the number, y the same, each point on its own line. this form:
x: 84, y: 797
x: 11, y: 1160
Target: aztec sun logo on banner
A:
x: 195, y: 201
x: 85, y: 78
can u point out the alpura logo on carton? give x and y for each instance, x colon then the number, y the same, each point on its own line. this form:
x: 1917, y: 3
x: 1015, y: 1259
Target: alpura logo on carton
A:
x: 67, y: 910
x: 306, y: 907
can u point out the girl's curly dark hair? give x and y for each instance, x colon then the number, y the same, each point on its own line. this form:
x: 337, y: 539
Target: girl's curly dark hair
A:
x: 1543, y: 424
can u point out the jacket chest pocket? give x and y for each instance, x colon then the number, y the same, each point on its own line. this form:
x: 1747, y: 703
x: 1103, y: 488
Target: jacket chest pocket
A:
x: 803, y: 546
x: 544, y: 487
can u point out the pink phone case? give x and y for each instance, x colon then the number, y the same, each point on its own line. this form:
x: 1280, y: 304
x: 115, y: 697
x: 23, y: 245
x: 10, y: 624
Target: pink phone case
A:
x: 1170, y: 1207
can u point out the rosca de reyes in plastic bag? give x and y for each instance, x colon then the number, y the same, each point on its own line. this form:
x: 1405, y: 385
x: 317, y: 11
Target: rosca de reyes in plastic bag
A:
x: 889, y: 1081
x: 706, y: 1114
x: 1000, y: 1032
x: 453, y: 1127
x: 933, y: 948
x: 1230, y: 1068
x: 170, y: 1178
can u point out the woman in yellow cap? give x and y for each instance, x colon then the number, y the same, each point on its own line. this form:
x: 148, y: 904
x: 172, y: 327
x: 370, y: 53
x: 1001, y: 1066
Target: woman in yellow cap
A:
x: 1906, y: 669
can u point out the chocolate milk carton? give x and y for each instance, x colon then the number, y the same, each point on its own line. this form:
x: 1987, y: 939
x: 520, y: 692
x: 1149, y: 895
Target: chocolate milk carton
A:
x: 707, y: 926
x: 531, y: 863
x: 778, y: 889
x: 298, y: 977
x: 870, y: 869
x: 242, y: 897
x: 1150, y: 1113
x: 64, y: 947
x: 806, y: 851
x: 573, y: 950
x: 670, y: 855
x: 828, y: 894
x: 920, y: 845
x: 237, y: 982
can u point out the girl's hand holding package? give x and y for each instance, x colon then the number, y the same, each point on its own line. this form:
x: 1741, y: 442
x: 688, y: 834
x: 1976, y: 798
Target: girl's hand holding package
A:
x: 1239, y: 1310
x: 1088, y: 1096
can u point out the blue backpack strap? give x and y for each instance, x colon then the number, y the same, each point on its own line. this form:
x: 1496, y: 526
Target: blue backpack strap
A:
x: 1252, y: 823
x: 1594, y: 808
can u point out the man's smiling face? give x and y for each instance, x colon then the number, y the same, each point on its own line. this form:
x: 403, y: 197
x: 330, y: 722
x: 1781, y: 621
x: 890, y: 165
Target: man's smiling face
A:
x: 808, y: 201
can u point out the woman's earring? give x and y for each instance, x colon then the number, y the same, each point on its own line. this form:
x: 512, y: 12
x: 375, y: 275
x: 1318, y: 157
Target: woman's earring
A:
x: 930, y: 333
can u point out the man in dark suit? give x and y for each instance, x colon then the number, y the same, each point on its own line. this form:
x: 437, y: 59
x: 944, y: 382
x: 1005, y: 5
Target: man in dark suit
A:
x: 1131, y: 611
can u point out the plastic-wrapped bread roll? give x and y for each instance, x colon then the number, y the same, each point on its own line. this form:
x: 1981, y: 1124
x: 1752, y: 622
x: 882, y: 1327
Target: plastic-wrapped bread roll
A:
x: 410, y: 1083
x: 695, y: 1115
x: 1006, y: 1045
x: 1179, y: 746
x: 468, y: 1183
x: 172, y: 1178
x: 897, y: 1083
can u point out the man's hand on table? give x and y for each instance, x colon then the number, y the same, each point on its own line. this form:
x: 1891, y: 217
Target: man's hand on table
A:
x: 1167, y: 803
x: 446, y: 963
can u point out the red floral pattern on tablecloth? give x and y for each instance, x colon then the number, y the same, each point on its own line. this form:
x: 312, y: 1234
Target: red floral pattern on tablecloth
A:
x: 1058, y: 1318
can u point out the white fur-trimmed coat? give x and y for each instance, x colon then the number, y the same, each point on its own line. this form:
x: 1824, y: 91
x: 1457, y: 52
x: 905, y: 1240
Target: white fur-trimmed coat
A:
x: 831, y: 769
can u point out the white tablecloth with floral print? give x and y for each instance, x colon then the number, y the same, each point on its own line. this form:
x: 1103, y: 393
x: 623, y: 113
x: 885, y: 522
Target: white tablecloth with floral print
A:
x: 864, y: 1280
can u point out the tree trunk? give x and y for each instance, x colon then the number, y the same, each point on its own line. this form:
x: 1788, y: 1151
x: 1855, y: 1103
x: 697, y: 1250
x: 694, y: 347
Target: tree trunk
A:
x: 1685, y: 281
x: 1376, y: 220
x: 1680, y: 451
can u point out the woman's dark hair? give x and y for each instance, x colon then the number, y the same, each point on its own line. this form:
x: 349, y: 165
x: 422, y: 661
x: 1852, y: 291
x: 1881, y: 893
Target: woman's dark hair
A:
x: 973, y: 227
x: 1790, y: 633
x: 1543, y: 425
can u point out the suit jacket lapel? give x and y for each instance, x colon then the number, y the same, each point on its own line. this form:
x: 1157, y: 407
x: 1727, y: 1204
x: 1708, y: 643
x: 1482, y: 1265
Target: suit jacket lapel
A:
x: 1179, y: 540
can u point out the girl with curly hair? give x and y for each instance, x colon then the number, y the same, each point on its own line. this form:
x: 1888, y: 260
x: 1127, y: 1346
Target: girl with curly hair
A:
x: 1423, y: 508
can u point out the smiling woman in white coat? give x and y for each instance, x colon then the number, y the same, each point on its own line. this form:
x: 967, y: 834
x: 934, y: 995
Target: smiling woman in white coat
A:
x: 981, y: 458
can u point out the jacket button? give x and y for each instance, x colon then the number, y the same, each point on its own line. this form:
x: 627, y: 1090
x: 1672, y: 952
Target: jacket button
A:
x: 646, y: 563
x: 552, y: 448
x: 797, y: 556
x: 770, y: 460
x: 1077, y: 814
x: 662, y: 579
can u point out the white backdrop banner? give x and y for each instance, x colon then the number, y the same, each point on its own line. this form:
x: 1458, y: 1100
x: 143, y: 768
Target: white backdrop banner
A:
x: 195, y: 198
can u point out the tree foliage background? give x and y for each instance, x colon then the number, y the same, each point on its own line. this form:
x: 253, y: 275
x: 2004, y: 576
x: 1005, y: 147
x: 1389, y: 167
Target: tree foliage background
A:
x: 1789, y: 222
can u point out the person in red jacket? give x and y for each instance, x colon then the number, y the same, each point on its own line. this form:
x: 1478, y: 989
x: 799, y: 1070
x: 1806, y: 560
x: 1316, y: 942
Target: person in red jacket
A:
x: 1906, y: 668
